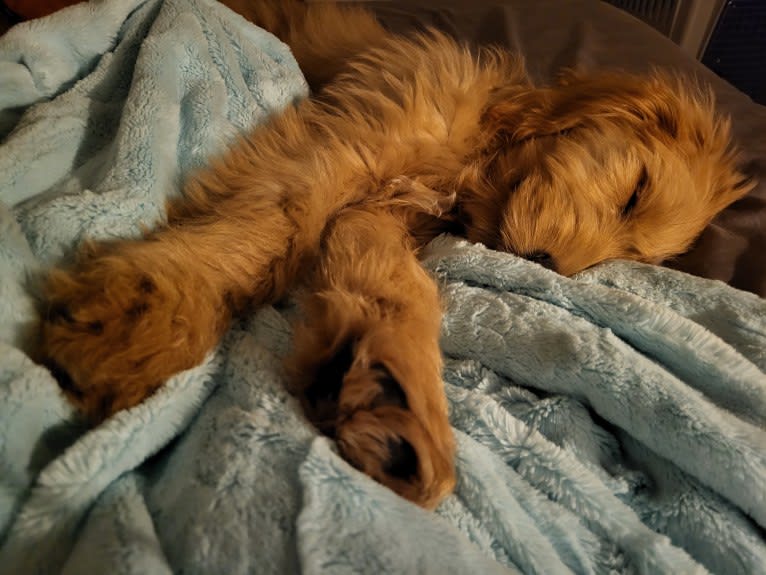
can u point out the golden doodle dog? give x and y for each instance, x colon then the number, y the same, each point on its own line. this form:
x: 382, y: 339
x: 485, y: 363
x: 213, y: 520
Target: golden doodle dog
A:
x: 404, y: 138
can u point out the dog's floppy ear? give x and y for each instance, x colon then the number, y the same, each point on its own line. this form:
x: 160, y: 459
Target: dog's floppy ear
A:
x: 513, y: 117
x: 581, y: 97
x: 657, y: 99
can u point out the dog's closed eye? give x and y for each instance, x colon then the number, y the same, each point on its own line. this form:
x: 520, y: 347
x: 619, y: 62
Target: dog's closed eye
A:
x: 641, y: 184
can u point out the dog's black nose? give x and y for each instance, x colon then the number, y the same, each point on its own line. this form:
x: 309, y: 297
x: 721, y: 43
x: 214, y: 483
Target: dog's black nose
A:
x: 543, y: 258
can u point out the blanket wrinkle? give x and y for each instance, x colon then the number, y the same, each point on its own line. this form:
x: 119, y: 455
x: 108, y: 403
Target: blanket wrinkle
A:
x: 565, y: 481
x: 608, y: 423
x: 667, y: 413
x: 46, y: 63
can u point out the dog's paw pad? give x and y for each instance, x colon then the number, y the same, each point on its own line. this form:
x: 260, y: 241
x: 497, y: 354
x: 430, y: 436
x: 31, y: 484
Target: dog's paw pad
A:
x: 354, y: 396
x: 391, y: 392
x: 403, y: 461
x: 322, y: 394
x: 64, y: 380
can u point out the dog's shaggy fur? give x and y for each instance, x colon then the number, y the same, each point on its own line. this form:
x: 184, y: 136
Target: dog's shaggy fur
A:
x: 409, y: 137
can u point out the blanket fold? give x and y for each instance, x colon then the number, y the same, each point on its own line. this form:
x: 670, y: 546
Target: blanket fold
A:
x: 610, y: 422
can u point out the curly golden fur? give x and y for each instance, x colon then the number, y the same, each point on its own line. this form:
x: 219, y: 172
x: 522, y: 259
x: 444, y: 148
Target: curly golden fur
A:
x: 408, y: 137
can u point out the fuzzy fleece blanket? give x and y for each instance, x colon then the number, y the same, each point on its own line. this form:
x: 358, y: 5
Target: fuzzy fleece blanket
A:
x: 612, y: 422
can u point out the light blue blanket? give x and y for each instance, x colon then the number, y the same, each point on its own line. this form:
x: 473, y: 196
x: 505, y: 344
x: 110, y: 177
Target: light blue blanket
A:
x: 613, y: 422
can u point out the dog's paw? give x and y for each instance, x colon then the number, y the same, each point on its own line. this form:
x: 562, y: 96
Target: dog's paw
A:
x: 111, y: 334
x: 381, y: 429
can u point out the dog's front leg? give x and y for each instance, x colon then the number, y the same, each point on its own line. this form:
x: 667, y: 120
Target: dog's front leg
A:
x: 366, y: 362
x: 132, y: 313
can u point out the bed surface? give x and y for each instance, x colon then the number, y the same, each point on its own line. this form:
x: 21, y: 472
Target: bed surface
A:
x: 590, y: 34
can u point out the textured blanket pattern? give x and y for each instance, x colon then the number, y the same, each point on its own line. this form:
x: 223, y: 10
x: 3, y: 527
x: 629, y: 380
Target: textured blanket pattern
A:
x: 613, y: 422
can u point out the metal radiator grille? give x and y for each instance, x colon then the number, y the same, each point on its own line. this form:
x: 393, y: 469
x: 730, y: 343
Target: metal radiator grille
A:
x: 657, y: 13
x: 728, y: 36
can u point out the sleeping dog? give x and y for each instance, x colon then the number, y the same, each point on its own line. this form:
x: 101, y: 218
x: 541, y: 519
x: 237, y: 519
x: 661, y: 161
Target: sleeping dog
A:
x: 405, y: 138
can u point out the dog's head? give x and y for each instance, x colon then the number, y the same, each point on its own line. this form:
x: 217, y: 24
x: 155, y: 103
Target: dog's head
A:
x: 599, y: 167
